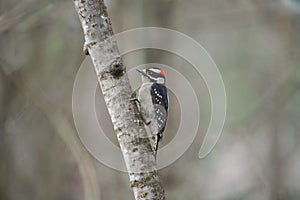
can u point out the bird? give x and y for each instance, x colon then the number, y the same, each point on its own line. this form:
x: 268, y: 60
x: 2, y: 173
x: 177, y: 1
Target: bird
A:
x: 153, y: 103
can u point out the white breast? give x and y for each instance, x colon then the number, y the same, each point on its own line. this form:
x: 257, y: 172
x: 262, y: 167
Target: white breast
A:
x: 145, y: 100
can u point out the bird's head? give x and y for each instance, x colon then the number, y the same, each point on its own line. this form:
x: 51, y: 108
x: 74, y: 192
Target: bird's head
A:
x: 153, y: 74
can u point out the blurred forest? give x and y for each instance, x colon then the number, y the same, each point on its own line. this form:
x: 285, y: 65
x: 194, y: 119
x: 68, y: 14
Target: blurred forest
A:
x: 255, y: 44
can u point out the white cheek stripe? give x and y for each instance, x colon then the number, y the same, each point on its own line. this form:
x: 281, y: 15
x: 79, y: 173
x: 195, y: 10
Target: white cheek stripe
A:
x: 155, y: 70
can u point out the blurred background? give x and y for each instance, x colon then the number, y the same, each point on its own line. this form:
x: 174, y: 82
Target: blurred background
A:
x: 255, y: 44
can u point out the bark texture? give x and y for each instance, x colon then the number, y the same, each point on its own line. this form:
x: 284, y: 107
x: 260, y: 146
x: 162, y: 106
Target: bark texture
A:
x: 132, y: 136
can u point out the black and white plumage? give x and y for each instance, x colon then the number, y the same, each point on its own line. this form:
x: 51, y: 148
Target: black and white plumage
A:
x: 153, y: 100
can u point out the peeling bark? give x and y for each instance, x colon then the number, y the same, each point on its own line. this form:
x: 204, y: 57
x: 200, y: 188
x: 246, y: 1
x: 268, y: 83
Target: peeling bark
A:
x: 133, y: 139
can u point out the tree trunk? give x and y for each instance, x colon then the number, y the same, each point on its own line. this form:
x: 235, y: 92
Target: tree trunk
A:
x: 132, y: 136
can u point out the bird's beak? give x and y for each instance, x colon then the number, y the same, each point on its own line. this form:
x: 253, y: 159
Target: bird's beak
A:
x: 142, y: 72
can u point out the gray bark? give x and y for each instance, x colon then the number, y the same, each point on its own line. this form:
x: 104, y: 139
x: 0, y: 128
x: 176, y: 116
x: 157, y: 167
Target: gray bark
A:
x: 132, y: 136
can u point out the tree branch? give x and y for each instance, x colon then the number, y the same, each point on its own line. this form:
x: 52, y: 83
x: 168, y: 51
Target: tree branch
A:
x: 114, y: 82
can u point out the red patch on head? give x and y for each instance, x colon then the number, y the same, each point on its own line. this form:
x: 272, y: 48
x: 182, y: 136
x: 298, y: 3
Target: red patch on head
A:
x: 163, y: 73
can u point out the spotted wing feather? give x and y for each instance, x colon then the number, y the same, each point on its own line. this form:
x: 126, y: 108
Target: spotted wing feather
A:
x: 160, y: 101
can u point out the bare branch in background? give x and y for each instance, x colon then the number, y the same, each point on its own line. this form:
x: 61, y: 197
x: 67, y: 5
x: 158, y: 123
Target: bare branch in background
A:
x: 114, y: 82
x: 19, y: 13
x: 64, y: 131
